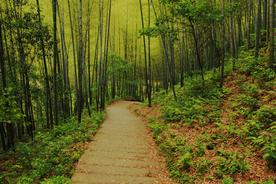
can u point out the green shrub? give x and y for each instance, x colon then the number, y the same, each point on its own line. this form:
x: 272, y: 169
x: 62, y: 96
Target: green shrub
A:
x: 230, y: 163
x: 200, y: 150
x: 252, y: 89
x: 269, y: 182
x: 185, y: 161
x: 52, y: 153
x: 269, y: 148
x: 40, y: 167
x: 202, y: 165
x: 171, y: 113
x: 254, y: 127
x: 57, y: 180
x: 186, y: 179
x: 256, y: 68
x: 156, y: 128
x: 266, y: 114
x: 263, y: 73
x: 25, y: 180
x: 247, y: 100
x: 227, y: 180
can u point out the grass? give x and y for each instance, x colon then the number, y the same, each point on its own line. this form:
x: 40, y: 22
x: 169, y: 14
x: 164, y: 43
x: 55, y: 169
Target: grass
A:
x: 51, y: 157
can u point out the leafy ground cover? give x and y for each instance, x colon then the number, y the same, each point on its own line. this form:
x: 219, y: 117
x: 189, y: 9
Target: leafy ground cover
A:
x: 50, y: 159
x: 219, y: 135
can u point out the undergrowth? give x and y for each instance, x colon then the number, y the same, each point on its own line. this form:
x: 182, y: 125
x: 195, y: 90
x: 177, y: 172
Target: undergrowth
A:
x: 220, y: 149
x: 51, y: 157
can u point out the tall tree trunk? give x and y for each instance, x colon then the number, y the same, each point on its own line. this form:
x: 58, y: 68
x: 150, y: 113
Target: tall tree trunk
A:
x: 265, y: 14
x: 149, y: 57
x: 80, y: 64
x: 55, y: 49
x: 106, y: 51
x: 223, y: 49
x: 3, y: 77
x: 74, y: 53
x: 145, y: 48
x: 272, y: 34
x: 258, y: 29
x: 100, y: 71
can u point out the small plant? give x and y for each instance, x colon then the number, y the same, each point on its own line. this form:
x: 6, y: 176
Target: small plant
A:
x: 227, y: 180
x: 230, y: 163
x: 269, y: 150
x: 157, y: 128
x: 25, y: 180
x: 251, y: 89
x: 171, y: 113
x: 200, y: 150
x: 202, y: 165
x: 245, y: 100
x: 185, y: 161
x: 200, y: 145
x: 57, y: 180
x: 269, y: 182
x: 266, y: 114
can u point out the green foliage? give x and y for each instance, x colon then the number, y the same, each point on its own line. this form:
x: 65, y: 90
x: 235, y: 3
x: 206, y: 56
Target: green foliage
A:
x: 185, y: 161
x: 57, y: 180
x: 200, y: 149
x: 9, y: 110
x: 250, y: 119
x: 270, y: 154
x: 269, y: 182
x: 172, y: 113
x: 191, y: 110
x: 230, y: 163
x: 202, y: 165
x: 25, y: 180
x: 157, y: 129
x: 266, y: 115
x: 256, y: 68
x: 244, y: 104
x: 54, y: 152
x: 198, y: 11
x: 227, y: 180
x: 269, y: 147
x: 252, y: 89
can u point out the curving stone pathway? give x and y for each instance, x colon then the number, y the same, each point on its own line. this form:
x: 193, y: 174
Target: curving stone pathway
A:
x: 121, y: 152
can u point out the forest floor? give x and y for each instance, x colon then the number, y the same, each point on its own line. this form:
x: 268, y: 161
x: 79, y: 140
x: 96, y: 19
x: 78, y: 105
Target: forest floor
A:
x: 123, y: 151
x: 222, y: 136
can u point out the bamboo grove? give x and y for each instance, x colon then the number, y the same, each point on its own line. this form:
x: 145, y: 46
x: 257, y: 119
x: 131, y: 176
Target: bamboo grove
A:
x: 49, y: 74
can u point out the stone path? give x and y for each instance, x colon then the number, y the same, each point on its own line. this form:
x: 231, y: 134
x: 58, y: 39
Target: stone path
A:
x: 121, y: 152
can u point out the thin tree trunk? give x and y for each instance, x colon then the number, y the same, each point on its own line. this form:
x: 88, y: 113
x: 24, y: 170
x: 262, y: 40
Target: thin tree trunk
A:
x: 223, y: 49
x: 3, y: 77
x: 149, y: 57
x: 272, y: 34
x: 145, y: 48
x: 80, y: 65
x: 55, y: 48
x: 258, y: 29
x: 74, y: 49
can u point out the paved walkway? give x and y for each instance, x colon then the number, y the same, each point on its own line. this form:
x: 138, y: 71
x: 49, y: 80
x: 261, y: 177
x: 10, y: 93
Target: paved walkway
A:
x: 121, y: 152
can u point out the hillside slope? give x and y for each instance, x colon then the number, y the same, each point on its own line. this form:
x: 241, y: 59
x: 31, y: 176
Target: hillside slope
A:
x: 219, y: 135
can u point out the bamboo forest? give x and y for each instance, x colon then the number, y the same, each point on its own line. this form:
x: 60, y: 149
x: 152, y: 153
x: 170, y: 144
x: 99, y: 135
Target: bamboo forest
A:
x: 137, y: 92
